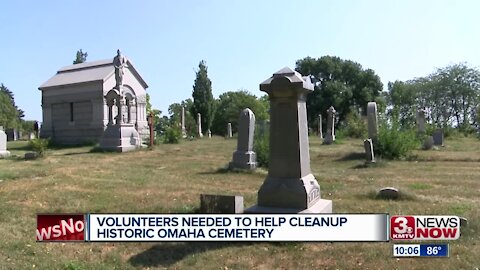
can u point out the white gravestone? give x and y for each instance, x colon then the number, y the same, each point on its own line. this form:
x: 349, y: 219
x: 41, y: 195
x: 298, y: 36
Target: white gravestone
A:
x: 245, y: 157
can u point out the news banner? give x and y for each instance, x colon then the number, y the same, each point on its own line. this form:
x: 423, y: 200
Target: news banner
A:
x: 256, y: 227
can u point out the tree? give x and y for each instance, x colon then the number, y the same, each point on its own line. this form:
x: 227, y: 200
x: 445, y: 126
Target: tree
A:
x: 203, y: 101
x: 81, y: 57
x: 11, y: 114
x: 228, y: 108
x: 175, y: 110
x: 343, y: 84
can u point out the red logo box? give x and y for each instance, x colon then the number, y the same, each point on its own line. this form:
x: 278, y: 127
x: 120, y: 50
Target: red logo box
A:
x: 402, y: 227
x: 60, y: 227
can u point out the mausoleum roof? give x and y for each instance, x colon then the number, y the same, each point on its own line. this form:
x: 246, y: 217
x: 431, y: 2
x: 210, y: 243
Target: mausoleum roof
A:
x: 87, y: 72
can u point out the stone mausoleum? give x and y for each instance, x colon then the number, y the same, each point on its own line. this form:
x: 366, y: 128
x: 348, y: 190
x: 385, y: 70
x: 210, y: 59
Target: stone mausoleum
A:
x: 75, y: 107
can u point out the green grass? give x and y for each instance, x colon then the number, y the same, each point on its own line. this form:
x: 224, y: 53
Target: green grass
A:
x: 171, y: 177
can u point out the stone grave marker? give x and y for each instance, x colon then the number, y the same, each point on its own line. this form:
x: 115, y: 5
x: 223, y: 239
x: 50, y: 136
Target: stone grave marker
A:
x: 320, y: 128
x: 290, y: 186
x: 421, y: 120
x: 229, y: 130
x: 388, y: 193
x: 11, y: 134
x: 245, y: 157
x: 199, y: 125
x: 330, y: 136
x: 3, y: 144
x: 369, y: 155
x: 438, y: 137
x: 428, y: 143
x: 182, y: 120
x: 372, y: 120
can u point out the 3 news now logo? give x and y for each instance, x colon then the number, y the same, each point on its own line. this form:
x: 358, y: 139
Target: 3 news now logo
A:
x: 60, y: 227
x: 424, y: 227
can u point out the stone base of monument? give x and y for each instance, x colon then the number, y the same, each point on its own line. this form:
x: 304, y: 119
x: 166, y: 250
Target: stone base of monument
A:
x: 320, y: 207
x: 4, y: 154
x: 291, y: 196
x: 120, y: 138
x: 244, y: 160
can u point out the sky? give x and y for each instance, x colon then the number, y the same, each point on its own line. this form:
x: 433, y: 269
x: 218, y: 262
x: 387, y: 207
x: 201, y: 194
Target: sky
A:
x: 242, y: 42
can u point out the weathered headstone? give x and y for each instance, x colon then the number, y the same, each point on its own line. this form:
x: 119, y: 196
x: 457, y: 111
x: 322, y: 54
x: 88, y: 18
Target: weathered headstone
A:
x: 182, y: 120
x: 428, y: 143
x: 388, y: 193
x: 369, y: 155
x: 31, y: 155
x: 330, y: 136
x: 209, y: 134
x: 421, y: 120
x: 199, y: 125
x: 372, y: 120
x: 3, y: 144
x: 11, y: 134
x: 221, y: 204
x: 229, y: 130
x: 289, y: 187
x: 320, y: 128
x: 31, y: 136
x: 245, y: 157
x: 438, y: 137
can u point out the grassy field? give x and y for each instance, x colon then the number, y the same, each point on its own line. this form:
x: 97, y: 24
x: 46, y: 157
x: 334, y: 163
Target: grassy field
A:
x: 170, y: 179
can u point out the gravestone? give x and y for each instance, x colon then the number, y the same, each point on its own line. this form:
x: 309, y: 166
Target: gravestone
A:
x: 245, y: 157
x: 11, y: 134
x: 330, y: 136
x: 438, y: 137
x: 388, y: 193
x: 31, y: 155
x: 372, y: 120
x: 31, y: 136
x: 221, y: 204
x: 320, y: 128
x: 290, y: 186
x: 182, y: 120
x: 3, y: 144
x: 199, y: 125
x: 229, y: 130
x: 421, y: 120
x: 209, y: 134
x: 369, y: 155
x: 428, y: 143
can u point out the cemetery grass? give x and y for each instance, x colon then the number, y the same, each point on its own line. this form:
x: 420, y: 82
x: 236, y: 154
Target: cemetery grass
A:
x: 170, y: 179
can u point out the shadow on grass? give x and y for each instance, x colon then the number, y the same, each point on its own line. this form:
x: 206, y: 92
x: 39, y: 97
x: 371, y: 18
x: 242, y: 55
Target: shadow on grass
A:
x: 366, y: 165
x: 227, y: 169
x: 167, y: 254
x: 352, y: 156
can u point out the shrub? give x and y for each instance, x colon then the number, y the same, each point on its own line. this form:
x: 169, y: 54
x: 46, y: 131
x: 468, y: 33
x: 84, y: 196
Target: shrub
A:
x: 393, y: 142
x: 261, y: 146
x: 355, y: 126
x: 172, y: 135
x: 39, y: 146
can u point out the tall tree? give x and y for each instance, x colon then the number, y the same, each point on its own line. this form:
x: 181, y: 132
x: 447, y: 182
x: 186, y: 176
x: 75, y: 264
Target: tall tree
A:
x: 19, y: 113
x: 343, y: 84
x: 175, y: 110
x: 203, y: 101
x: 8, y: 112
x: 81, y: 57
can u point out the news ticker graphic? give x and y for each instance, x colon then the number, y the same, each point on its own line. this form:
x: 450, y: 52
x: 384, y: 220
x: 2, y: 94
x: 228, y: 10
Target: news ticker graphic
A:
x: 424, y: 228
x: 202, y: 227
x: 420, y: 250
x: 61, y: 227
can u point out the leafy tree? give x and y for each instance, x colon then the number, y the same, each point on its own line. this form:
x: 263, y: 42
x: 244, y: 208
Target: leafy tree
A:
x: 343, y: 84
x: 175, y: 110
x: 81, y: 57
x: 230, y: 104
x: 203, y: 101
x: 10, y: 114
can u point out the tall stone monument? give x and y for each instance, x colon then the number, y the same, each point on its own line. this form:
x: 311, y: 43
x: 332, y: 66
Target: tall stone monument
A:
x: 229, y: 130
x: 3, y: 144
x: 182, y: 120
x: 199, y: 125
x: 421, y: 120
x: 120, y: 135
x: 245, y: 157
x: 438, y: 137
x: 290, y: 187
x: 369, y: 154
x: 372, y: 120
x: 320, y: 128
x: 330, y: 136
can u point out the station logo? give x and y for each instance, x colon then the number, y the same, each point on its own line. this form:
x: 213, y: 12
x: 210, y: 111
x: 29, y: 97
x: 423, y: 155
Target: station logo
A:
x: 424, y: 227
